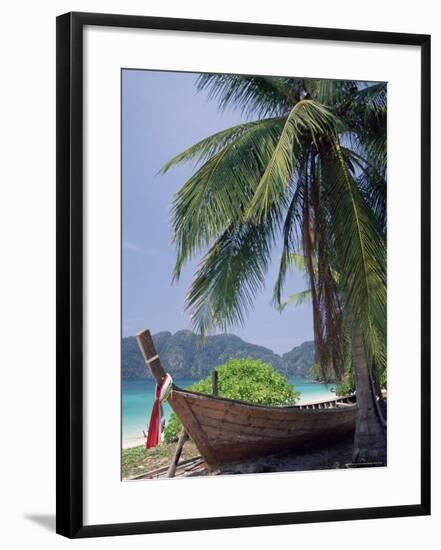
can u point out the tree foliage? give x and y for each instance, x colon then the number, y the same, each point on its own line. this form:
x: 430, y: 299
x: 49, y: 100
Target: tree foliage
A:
x: 247, y: 380
x: 309, y: 172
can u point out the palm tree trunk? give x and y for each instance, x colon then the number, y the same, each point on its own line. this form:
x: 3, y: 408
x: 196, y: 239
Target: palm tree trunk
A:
x: 370, y: 435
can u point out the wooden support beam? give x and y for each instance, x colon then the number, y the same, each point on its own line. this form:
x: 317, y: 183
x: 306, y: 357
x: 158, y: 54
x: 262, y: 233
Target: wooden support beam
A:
x: 215, y: 382
x: 183, y: 437
x: 174, y: 463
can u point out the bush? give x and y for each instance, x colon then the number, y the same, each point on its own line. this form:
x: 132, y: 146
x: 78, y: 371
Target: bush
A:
x: 172, y: 429
x: 244, y: 379
x: 347, y: 384
x: 347, y: 387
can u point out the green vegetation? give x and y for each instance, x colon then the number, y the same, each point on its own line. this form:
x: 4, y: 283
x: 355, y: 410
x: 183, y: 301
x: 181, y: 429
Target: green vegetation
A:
x: 172, y: 429
x: 316, y: 374
x: 139, y: 460
x: 244, y: 379
x: 183, y: 355
x: 347, y: 385
x: 250, y: 380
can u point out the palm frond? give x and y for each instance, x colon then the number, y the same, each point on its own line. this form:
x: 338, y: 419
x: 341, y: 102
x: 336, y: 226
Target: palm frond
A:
x: 229, y: 277
x: 307, y: 120
x: 291, y: 234
x: 315, y: 171
x: 206, y: 148
x: 298, y: 261
x: 220, y: 191
x: 296, y: 299
x: 329, y: 92
x: 254, y: 95
x: 366, y: 112
x: 371, y: 182
x: 360, y: 249
x: 374, y: 95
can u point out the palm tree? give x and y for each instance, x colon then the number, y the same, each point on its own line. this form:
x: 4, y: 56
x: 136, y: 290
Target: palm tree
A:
x: 310, y: 172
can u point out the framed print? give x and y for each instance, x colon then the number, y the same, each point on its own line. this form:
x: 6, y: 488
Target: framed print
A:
x: 243, y: 289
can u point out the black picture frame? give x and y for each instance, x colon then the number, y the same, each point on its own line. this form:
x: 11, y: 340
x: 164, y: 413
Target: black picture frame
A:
x: 69, y: 295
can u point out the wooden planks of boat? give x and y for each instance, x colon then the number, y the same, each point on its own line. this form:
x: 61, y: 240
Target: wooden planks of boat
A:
x: 227, y: 430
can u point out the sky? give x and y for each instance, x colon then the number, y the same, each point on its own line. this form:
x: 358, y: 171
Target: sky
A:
x: 162, y: 115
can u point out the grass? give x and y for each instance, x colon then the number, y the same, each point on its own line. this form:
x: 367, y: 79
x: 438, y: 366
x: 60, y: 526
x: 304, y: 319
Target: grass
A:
x: 139, y: 460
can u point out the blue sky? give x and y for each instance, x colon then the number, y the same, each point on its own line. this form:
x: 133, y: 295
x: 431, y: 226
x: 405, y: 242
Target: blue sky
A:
x: 162, y: 114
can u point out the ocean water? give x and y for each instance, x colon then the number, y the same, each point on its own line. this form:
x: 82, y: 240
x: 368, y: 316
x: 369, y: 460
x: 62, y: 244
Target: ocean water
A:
x: 138, y: 397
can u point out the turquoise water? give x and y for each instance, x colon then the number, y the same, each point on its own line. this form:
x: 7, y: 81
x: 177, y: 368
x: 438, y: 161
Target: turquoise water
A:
x: 137, y: 401
x: 138, y: 397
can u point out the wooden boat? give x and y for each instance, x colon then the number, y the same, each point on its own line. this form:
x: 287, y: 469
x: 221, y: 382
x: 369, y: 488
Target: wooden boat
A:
x: 227, y: 430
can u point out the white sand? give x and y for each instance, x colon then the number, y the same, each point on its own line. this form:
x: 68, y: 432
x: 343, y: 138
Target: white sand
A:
x: 133, y: 442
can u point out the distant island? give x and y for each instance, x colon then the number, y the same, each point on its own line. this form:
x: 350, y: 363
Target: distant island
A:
x: 184, y: 356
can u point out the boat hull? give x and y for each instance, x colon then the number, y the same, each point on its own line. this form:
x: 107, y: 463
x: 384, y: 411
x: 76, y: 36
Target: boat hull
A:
x: 227, y: 431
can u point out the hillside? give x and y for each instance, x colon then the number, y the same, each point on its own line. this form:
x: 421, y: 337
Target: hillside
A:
x: 298, y: 361
x: 184, y: 356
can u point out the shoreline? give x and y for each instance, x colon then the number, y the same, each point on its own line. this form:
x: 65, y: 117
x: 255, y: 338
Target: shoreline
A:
x: 133, y: 441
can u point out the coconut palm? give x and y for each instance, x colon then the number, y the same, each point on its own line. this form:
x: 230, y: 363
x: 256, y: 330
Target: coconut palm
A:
x: 308, y: 172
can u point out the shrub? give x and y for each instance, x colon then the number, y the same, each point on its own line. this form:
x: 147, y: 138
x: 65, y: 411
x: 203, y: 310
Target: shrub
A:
x: 347, y: 384
x: 172, y: 429
x: 244, y: 379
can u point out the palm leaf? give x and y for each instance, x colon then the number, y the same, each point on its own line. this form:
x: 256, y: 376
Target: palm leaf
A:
x: 329, y: 92
x: 296, y: 299
x: 361, y: 252
x: 254, y: 95
x: 374, y: 96
x: 291, y: 235
x: 206, y: 148
x: 220, y: 191
x: 319, y: 171
x: 307, y: 120
x: 229, y: 277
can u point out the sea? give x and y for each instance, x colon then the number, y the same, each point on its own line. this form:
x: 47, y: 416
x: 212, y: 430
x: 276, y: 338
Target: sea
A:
x: 138, y: 397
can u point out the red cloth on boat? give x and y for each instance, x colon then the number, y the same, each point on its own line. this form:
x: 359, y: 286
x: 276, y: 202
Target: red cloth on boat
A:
x: 155, y: 419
